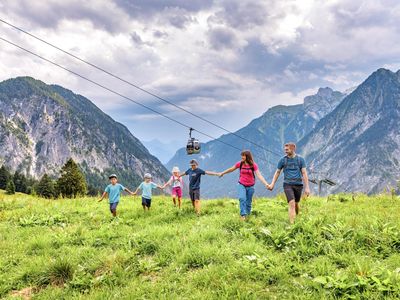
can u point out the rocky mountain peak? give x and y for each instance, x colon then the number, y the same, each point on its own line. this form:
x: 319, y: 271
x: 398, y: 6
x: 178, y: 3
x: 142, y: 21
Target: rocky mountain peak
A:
x: 41, y: 126
x: 323, y: 102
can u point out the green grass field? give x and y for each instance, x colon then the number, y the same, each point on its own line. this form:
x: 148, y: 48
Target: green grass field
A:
x: 72, y: 249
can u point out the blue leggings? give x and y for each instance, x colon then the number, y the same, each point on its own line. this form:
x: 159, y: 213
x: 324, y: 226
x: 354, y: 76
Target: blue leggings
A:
x: 245, y: 195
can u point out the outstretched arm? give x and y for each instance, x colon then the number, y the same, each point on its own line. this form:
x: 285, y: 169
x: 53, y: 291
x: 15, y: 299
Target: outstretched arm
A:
x: 135, y: 192
x: 169, y: 182
x: 305, y: 181
x: 127, y: 190
x: 261, y: 178
x: 230, y: 170
x: 102, y: 196
x: 212, y: 173
x: 276, y: 176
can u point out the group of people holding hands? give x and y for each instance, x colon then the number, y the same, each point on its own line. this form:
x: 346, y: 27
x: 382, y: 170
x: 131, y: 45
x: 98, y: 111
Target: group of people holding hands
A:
x: 292, y: 165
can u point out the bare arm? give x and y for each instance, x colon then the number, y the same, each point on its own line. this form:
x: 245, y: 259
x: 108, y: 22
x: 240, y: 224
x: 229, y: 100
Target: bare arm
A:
x: 182, y: 174
x: 276, y: 176
x: 230, y: 170
x: 212, y: 173
x: 135, y: 192
x: 127, y: 190
x: 261, y: 178
x: 102, y: 196
x: 305, y: 181
x: 169, y: 182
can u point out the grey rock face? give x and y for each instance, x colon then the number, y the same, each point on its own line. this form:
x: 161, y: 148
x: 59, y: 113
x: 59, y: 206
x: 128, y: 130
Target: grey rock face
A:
x: 41, y: 126
x: 358, y: 144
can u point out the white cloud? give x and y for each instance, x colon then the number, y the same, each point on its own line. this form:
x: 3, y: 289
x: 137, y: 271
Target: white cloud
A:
x: 223, y: 59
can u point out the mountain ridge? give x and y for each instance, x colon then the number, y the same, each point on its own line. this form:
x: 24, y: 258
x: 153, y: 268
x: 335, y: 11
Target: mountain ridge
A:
x: 42, y: 125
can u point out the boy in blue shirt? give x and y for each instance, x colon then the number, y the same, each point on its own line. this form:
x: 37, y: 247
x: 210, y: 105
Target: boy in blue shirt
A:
x: 113, y: 190
x: 195, y: 174
x: 147, y: 186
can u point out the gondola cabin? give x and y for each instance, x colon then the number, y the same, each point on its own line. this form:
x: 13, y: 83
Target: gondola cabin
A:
x: 193, y: 145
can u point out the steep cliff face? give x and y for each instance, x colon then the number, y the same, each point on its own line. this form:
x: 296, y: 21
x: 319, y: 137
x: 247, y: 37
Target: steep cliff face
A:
x: 41, y: 126
x: 358, y: 144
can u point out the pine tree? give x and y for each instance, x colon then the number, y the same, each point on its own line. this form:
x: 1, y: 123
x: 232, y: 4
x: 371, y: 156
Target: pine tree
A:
x: 45, y: 187
x: 4, y: 177
x: 20, y: 182
x: 10, y: 188
x: 72, y: 181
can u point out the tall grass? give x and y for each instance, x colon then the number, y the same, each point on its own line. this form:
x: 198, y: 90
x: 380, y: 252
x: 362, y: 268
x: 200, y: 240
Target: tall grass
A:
x: 74, y: 249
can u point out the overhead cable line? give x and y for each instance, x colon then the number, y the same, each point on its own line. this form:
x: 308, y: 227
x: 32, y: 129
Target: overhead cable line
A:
x: 138, y: 87
x: 119, y: 94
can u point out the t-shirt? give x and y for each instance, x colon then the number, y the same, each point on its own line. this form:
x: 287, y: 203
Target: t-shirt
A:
x: 246, y: 174
x: 147, y: 189
x: 176, y: 182
x: 292, y: 171
x: 194, y: 178
x: 114, y: 192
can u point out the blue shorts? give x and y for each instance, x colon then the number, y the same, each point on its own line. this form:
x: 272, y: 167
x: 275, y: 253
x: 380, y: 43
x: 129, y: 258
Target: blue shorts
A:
x: 113, y: 206
x: 146, y: 202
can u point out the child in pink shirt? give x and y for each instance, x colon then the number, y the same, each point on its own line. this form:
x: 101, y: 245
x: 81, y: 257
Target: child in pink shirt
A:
x: 177, y: 186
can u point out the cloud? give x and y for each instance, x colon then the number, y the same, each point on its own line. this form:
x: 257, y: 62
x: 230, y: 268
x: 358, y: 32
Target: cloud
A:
x: 101, y: 13
x: 227, y: 60
x: 144, y: 9
x: 223, y: 38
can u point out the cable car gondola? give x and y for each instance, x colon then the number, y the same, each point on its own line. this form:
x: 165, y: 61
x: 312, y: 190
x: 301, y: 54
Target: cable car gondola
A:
x: 193, y: 145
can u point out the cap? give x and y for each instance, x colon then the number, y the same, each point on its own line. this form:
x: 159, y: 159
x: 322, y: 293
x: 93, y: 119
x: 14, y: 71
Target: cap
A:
x: 112, y: 176
x: 194, y: 162
x: 175, y: 170
x: 147, y: 175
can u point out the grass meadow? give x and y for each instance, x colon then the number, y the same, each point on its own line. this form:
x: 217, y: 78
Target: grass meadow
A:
x: 73, y: 249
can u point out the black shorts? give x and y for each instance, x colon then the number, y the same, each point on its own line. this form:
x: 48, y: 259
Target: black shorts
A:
x: 293, y: 191
x: 194, y: 195
x: 146, y: 202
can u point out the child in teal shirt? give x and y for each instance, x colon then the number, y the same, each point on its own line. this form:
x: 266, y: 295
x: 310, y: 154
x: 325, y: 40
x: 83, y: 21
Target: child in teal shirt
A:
x: 113, y: 190
x: 147, y: 186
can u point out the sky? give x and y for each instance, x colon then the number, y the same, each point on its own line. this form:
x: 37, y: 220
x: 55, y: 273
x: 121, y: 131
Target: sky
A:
x: 228, y: 61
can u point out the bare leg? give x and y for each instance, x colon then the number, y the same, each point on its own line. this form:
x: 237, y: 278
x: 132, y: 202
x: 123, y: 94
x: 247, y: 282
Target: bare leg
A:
x: 144, y: 207
x: 179, y: 202
x: 292, y: 211
x: 114, y: 213
x: 193, y: 204
x: 297, y: 208
x: 197, y: 206
x: 173, y: 199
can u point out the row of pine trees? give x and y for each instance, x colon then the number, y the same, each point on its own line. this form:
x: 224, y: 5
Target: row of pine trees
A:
x: 70, y: 184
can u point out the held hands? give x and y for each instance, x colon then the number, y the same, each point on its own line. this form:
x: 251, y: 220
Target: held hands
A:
x: 101, y: 199
x: 220, y: 175
x: 270, y: 187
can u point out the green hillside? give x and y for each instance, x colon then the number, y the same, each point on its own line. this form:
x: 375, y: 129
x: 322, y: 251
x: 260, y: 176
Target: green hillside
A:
x: 72, y: 249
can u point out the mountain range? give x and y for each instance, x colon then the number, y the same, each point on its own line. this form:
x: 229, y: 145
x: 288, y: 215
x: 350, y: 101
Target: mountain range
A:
x: 358, y: 144
x: 275, y: 127
x: 351, y: 138
x: 41, y: 126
